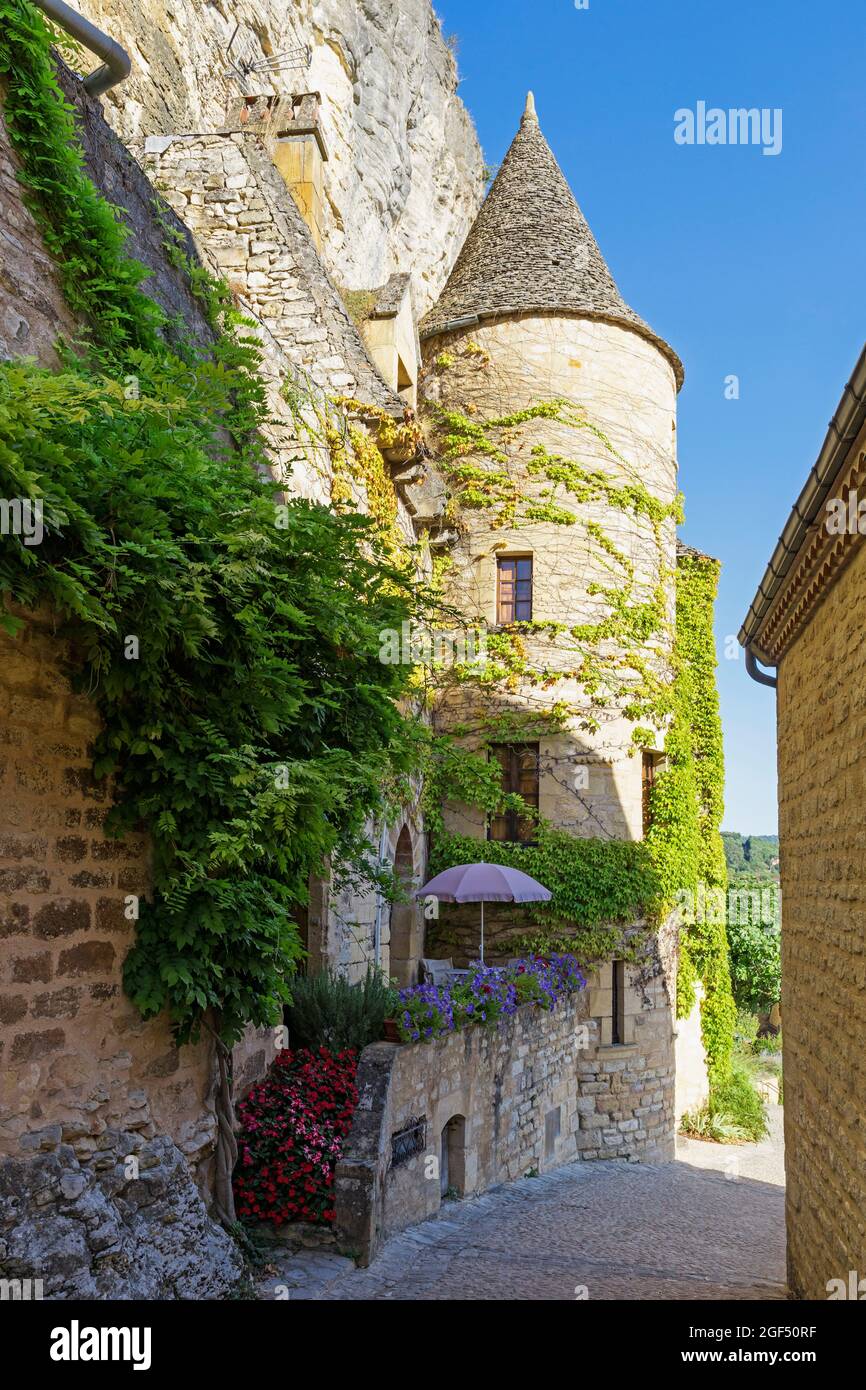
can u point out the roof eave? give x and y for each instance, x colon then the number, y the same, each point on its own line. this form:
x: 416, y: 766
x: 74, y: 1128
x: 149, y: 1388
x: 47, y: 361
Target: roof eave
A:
x: 843, y: 430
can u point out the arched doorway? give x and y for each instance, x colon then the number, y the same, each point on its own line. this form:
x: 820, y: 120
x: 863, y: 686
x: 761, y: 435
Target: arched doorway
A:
x: 405, y: 950
x: 452, y: 1161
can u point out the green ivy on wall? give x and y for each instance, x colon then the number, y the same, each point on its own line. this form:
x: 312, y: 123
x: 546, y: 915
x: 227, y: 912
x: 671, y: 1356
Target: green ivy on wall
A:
x: 600, y: 885
x: 687, y: 804
x: 229, y: 640
x: 597, y: 885
x: 615, y: 662
x: 488, y: 463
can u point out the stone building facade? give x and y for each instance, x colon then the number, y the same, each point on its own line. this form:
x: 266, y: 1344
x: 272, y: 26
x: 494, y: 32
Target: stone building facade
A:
x: 404, y: 172
x: 107, y: 1130
x: 319, y: 159
x: 531, y: 318
x: 86, y: 1085
x: 806, y: 622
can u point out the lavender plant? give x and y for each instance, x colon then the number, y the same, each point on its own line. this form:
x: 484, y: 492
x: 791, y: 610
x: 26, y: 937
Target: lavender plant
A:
x: 486, y: 995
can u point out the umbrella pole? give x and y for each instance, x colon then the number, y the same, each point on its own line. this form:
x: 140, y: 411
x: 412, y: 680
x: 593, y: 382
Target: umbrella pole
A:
x: 482, y: 931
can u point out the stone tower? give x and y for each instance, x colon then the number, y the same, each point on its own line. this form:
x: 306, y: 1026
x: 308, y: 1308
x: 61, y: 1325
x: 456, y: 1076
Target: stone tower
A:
x: 554, y: 407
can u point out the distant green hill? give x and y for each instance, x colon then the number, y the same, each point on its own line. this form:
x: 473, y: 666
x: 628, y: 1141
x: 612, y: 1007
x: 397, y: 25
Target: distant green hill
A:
x: 751, y: 856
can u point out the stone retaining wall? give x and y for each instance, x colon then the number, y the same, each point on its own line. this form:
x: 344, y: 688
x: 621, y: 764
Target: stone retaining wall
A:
x: 536, y: 1092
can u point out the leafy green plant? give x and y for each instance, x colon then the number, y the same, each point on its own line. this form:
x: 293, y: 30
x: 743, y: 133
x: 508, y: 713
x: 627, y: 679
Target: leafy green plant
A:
x: 735, y: 1096
x: 756, y: 965
x: 735, y: 1112
x: 706, y: 1123
x: 230, y: 640
x: 327, y: 1011
x: 100, y: 280
x: 687, y: 804
x: 746, y: 1030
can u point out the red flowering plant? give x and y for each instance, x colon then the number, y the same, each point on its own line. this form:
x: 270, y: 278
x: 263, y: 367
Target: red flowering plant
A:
x: 291, y: 1133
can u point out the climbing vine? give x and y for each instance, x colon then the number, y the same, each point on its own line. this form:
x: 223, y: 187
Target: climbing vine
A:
x: 640, y: 658
x: 613, y: 660
x: 356, y: 439
x: 229, y: 639
x: 685, y: 839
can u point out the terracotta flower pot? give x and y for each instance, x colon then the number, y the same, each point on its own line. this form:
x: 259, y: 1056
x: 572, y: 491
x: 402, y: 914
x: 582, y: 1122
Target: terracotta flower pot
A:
x: 392, y: 1031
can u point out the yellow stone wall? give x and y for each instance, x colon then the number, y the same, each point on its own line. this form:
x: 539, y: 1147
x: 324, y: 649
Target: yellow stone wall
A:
x: 822, y: 792
x: 299, y: 160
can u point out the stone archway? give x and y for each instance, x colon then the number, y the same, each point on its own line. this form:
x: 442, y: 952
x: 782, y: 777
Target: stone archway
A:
x: 452, y: 1163
x: 405, y: 931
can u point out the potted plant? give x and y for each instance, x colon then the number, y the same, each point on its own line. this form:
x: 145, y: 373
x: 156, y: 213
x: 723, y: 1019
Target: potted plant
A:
x: 390, y: 1024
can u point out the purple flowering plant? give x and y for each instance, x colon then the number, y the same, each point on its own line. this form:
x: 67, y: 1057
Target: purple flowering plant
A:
x: 486, y: 994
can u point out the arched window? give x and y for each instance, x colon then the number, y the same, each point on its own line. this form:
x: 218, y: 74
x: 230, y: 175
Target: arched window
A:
x: 405, y: 935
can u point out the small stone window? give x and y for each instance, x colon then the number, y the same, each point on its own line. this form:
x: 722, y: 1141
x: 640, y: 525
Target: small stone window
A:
x: 514, y: 590
x: 617, y: 1002
x: 519, y: 763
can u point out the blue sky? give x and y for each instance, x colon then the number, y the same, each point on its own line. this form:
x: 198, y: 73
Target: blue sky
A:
x: 748, y: 264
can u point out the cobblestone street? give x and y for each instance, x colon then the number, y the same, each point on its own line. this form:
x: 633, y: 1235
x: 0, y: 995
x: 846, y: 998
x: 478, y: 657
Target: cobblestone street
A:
x: 710, y: 1226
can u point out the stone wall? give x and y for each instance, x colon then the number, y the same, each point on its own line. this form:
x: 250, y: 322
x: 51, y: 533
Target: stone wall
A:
x: 347, y: 929
x: 692, y: 1082
x: 106, y: 1128
x: 33, y: 313
x: 247, y: 228
x: 540, y: 1090
x: 822, y: 777
x: 405, y: 174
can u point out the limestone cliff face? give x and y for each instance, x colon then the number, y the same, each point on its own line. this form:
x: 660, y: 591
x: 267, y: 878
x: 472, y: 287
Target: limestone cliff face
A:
x: 404, y: 178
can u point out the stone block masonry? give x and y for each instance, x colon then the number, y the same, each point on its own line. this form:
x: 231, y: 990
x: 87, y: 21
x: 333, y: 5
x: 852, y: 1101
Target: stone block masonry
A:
x: 405, y: 174
x: 106, y: 1127
x: 250, y: 233
x: 228, y: 191
x: 538, y: 1091
x: 74, y: 1050
x: 822, y: 774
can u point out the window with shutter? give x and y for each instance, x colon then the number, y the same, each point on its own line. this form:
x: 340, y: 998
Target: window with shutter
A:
x: 519, y: 763
x: 514, y: 590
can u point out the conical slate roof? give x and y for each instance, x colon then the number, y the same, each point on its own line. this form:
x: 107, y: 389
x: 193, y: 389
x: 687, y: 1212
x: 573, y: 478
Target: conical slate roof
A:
x: 530, y: 250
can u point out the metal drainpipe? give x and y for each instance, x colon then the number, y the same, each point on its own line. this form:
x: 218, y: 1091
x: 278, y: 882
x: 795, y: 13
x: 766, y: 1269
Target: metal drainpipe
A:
x: 116, y: 63
x: 755, y: 671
